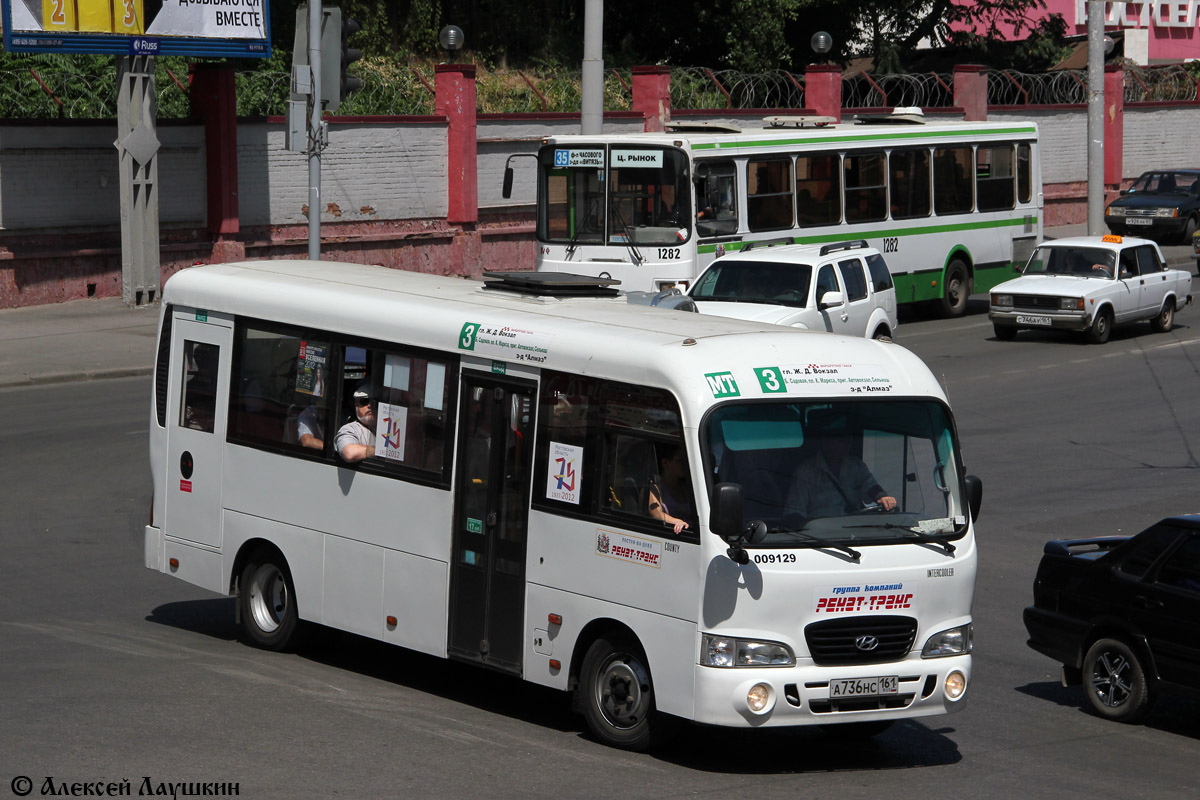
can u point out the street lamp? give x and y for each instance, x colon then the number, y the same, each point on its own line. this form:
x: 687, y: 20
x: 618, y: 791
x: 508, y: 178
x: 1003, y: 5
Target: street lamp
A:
x: 822, y: 43
x: 451, y: 39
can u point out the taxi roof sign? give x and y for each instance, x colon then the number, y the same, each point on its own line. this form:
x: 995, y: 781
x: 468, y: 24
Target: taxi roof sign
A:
x: 1111, y: 238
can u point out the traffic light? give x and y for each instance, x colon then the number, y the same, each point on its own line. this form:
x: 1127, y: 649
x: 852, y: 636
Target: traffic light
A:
x: 336, y: 58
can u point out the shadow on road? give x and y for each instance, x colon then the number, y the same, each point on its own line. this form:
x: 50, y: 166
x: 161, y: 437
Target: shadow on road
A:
x: 1169, y: 714
x: 907, y: 744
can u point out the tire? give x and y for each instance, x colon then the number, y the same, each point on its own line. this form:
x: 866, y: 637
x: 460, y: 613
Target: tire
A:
x: 1005, y: 333
x: 617, y: 694
x: 882, y: 334
x: 1189, y: 228
x: 1114, y: 681
x: 956, y: 288
x: 1101, y: 327
x: 267, y: 602
x: 1165, y: 319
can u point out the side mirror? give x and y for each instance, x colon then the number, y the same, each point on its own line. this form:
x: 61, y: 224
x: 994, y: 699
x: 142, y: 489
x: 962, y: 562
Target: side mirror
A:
x: 506, y: 192
x: 830, y: 300
x: 727, y: 503
x: 974, y: 487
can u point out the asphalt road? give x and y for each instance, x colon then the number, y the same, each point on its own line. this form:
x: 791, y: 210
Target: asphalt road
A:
x: 112, y: 673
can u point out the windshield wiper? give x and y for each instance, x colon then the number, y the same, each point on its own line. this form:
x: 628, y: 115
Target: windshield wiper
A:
x: 821, y: 544
x: 637, y: 254
x: 914, y: 535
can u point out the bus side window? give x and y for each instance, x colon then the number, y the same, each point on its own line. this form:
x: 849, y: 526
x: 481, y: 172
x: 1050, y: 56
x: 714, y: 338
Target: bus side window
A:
x: 199, y: 407
x: 282, y: 389
x: 716, y: 199
x: 411, y: 392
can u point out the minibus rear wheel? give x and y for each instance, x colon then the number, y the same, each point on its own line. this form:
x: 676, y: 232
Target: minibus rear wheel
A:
x: 617, y: 693
x: 267, y: 600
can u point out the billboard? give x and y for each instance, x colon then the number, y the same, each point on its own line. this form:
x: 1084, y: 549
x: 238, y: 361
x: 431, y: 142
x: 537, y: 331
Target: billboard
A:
x: 138, y: 27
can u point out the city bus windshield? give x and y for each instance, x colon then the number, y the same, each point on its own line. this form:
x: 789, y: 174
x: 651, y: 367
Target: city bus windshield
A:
x: 623, y: 195
x: 841, y: 473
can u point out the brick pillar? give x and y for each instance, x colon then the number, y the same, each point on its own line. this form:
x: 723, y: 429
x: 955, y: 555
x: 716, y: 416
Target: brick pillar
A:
x: 823, y: 90
x: 214, y: 101
x: 970, y: 91
x: 1114, y: 126
x: 652, y: 96
x: 454, y: 85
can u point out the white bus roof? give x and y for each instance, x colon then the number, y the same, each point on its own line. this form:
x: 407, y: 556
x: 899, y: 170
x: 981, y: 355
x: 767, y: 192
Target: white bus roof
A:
x: 849, y: 131
x: 700, y: 357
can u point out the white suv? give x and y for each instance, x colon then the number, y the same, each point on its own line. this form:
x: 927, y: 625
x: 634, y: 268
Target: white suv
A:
x: 842, y: 288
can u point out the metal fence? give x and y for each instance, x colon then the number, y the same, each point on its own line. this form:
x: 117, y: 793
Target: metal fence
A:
x: 85, y: 88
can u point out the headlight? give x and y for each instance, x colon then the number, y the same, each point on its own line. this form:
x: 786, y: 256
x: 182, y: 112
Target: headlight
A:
x: 1114, y: 211
x: 1166, y: 212
x: 1004, y: 300
x: 950, y: 642
x: 1070, y: 303
x: 725, y: 651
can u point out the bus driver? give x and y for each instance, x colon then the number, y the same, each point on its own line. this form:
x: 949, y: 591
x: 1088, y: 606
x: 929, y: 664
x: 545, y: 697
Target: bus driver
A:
x: 833, y: 482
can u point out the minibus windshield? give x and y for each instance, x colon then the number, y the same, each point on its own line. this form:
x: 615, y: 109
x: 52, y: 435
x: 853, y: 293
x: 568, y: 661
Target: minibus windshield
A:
x: 848, y: 472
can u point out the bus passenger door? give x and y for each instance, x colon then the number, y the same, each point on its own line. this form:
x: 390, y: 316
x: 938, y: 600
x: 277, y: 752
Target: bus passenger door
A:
x: 491, y: 510
x: 197, y: 406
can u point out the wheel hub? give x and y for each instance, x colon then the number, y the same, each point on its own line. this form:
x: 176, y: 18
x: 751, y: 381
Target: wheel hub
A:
x: 624, y: 693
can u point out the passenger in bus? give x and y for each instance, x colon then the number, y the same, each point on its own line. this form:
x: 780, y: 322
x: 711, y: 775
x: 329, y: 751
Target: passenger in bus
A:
x: 356, y: 439
x: 670, y: 495
x: 833, y: 482
x: 310, y: 428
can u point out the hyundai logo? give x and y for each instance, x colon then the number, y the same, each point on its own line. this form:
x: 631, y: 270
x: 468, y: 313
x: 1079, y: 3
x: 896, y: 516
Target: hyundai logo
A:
x: 866, y: 643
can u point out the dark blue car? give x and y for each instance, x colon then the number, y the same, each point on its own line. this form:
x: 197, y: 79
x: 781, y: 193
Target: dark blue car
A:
x: 1122, y: 615
x: 1163, y: 205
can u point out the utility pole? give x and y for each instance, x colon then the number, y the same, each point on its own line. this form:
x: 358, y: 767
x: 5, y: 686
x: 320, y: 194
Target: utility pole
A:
x: 592, y: 88
x: 315, y: 139
x: 1095, y: 117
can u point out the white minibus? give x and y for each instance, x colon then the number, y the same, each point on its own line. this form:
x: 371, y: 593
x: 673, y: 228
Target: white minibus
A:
x: 665, y: 513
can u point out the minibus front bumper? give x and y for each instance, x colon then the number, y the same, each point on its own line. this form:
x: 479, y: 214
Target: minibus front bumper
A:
x: 802, y: 695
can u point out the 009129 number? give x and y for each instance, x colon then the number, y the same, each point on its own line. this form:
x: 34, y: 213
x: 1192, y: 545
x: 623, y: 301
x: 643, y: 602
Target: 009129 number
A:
x: 774, y: 558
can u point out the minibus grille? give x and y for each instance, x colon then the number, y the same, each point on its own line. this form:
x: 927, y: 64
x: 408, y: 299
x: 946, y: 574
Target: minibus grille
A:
x: 843, y: 641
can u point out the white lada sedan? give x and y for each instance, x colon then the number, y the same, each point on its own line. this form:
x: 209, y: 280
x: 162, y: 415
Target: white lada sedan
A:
x: 1089, y: 284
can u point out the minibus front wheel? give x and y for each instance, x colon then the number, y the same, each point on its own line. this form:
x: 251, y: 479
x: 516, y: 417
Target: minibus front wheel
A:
x: 268, y: 601
x: 618, y: 695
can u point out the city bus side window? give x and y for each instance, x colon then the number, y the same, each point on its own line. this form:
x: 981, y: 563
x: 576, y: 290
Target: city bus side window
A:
x: 909, y: 175
x: 1024, y: 173
x: 769, y: 190
x: 952, y: 181
x: 716, y: 198
x: 818, y: 189
x: 994, y: 177
x: 411, y: 393
x: 198, y: 409
x: 866, y: 189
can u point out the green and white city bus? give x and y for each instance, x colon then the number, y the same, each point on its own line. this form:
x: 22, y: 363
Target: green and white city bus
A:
x: 952, y: 205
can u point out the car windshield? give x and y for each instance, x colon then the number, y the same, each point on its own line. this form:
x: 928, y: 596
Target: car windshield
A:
x: 1167, y: 183
x: 1087, y: 262
x: 840, y: 474
x: 754, y: 282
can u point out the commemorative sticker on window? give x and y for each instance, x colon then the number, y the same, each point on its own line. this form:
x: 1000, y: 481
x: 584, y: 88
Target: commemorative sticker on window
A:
x: 563, y: 472
x: 854, y: 378
x: 622, y: 546
x: 862, y: 598
x: 392, y: 427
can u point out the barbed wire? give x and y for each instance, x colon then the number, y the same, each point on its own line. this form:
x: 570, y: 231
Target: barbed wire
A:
x: 61, y: 87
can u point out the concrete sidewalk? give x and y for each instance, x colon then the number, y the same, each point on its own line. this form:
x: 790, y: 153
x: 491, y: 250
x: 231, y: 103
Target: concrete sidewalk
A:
x: 88, y: 339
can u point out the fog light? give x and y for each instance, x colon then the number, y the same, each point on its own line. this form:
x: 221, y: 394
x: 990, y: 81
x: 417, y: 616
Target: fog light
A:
x: 759, y: 698
x: 956, y: 684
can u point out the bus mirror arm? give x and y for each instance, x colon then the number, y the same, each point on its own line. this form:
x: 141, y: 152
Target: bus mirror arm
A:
x: 728, y: 502
x: 506, y: 189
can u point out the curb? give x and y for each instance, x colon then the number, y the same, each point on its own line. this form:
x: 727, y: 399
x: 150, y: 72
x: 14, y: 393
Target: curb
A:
x: 74, y: 377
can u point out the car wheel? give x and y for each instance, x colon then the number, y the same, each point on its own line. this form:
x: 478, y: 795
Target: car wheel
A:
x: 1165, y: 319
x: 267, y: 601
x: 617, y: 694
x: 1101, y: 327
x: 956, y: 289
x: 882, y: 334
x: 1005, y: 333
x: 1115, y: 682
x: 1189, y: 228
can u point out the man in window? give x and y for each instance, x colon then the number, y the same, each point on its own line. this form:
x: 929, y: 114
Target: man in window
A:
x: 356, y: 439
x: 833, y: 483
